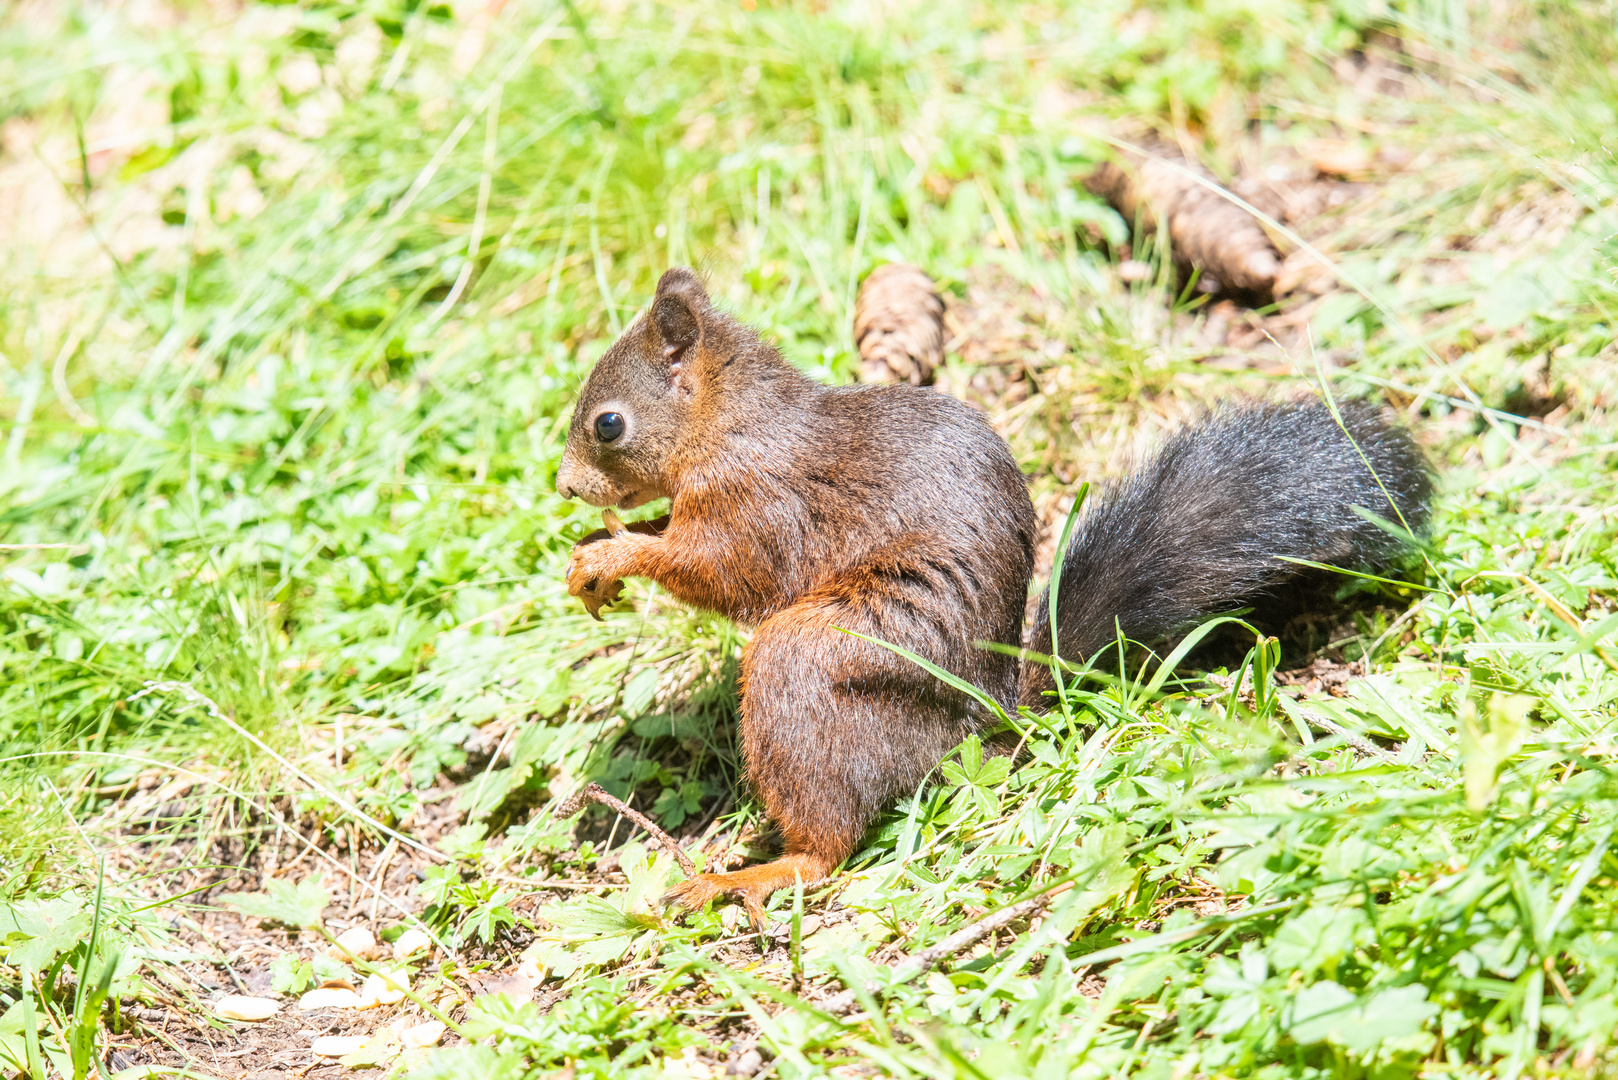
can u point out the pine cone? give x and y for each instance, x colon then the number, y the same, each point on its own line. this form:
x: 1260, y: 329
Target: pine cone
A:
x: 899, y: 326
x: 1206, y: 230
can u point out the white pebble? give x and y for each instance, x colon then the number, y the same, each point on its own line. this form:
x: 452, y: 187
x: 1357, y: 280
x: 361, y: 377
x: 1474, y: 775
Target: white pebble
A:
x: 410, y: 942
x: 356, y: 941
x: 333, y: 1046
x: 237, y: 1007
x: 426, y: 1034
x: 329, y: 998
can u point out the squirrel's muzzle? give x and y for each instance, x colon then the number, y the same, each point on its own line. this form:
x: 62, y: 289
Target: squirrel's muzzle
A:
x: 576, y: 479
x: 569, y: 478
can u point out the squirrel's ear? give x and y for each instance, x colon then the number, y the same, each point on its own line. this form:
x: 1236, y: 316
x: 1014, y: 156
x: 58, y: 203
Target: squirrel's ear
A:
x: 677, y: 312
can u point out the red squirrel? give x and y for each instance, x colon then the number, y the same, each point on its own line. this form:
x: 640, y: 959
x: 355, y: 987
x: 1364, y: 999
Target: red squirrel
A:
x: 803, y: 510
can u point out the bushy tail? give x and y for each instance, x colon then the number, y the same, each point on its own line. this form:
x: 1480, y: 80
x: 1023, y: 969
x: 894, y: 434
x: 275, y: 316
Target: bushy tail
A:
x: 1198, y: 528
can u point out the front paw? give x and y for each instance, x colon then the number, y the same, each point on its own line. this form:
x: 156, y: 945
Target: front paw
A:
x: 599, y: 594
x: 593, y: 574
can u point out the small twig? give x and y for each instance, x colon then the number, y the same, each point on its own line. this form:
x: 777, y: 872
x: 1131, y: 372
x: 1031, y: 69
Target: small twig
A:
x: 379, y: 874
x: 597, y: 794
x: 920, y: 963
x: 969, y: 935
x: 1397, y: 624
x: 1358, y: 742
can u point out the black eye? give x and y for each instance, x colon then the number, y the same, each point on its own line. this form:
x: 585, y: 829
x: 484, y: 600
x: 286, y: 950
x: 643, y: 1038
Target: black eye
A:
x: 609, y: 425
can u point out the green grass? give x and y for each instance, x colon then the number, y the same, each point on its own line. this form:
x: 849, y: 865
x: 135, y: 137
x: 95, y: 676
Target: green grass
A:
x: 291, y: 315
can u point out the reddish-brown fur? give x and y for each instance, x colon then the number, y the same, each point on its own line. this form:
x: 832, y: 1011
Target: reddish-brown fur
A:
x: 806, y: 510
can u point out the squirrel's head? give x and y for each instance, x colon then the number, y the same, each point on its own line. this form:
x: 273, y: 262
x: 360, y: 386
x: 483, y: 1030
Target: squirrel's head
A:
x: 637, y: 400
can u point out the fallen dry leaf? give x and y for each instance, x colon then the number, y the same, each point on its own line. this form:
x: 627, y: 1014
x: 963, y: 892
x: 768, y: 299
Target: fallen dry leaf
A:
x: 237, y: 1007
x: 1333, y: 157
x: 528, y: 965
x: 691, y: 1065
x: 516, y: 984
x: 377, y: 1048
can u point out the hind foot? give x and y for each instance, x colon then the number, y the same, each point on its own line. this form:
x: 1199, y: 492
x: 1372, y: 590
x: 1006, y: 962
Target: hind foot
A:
x: 752, y: 885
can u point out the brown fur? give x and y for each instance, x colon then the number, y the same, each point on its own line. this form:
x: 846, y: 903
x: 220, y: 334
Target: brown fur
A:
x: 805, y: 510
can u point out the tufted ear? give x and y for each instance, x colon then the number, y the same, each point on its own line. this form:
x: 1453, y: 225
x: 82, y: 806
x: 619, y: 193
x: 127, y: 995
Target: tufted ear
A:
x: 677, y: 313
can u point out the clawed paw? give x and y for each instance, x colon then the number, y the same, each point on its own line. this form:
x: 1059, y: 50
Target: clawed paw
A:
x: 598, y: 594
x: 693, y: 893
x: 590, y: 578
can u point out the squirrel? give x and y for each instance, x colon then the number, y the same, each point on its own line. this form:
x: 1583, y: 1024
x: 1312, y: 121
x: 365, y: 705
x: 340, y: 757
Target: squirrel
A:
x: 804, y: 510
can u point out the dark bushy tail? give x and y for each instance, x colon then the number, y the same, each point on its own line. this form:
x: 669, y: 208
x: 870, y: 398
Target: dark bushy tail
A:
x: 1197, y: 529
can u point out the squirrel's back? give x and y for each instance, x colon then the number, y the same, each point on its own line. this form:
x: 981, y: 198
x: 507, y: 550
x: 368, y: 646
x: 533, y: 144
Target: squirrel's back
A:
x: 915, y: 493
x: 917, y: 460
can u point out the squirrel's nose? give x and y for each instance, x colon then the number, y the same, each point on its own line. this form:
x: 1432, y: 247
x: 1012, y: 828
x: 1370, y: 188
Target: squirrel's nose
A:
x: 564, y: 479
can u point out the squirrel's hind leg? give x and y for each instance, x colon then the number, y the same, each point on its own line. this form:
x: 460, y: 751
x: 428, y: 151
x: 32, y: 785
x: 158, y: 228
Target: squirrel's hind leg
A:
x: 833, y: 729
x: 788, y: 726
x: 754, y: 884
